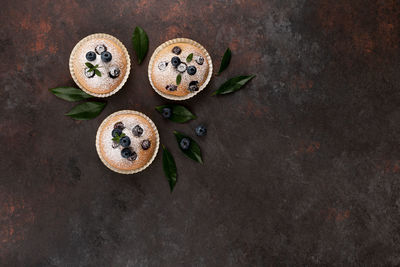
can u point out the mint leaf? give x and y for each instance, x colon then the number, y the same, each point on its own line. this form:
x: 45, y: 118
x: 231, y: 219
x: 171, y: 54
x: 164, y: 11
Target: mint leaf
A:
x: 189, y: 57
x: 178, y: 79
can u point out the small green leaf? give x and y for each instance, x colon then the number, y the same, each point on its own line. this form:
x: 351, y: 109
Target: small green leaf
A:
x: 189, y: 57
x: 86, y: 111
x: 193, y: 151
x: 97, y: 72
x: 233, y: 84
x: 225, y: 60
x: 140, y: 42
x: 118, y: 137
x: 70, y: 93
x: 178, y: 79
x: 179, y: 113
x: 169, y: 167
x: 89, y: 65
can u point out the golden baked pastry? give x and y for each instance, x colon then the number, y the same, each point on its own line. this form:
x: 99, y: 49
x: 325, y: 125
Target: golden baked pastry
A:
x: 100, y: 64
x: 179, y: 57
x: 127, y: 141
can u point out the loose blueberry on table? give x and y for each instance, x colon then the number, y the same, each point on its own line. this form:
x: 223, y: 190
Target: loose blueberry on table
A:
x: 184, y: 143
x: 201, y: 130
x: 166, y: 113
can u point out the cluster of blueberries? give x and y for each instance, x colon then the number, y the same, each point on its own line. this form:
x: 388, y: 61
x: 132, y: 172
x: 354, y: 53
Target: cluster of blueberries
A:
x: 200, y: 130
x: 106, y: 57
x: 127, y: 151
x: 182, y: 67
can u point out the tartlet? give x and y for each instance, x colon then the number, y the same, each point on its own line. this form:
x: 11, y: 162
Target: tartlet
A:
x: 127, y: 141
x: 112, y: 61
x: 183, y: 57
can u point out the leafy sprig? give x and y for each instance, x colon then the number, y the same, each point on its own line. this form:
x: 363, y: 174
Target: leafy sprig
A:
x: 93, y: 68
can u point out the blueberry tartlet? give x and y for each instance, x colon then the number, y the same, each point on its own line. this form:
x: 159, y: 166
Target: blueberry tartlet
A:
x: 179, y: 69
x: 100, y: 64
x: 127, y: 141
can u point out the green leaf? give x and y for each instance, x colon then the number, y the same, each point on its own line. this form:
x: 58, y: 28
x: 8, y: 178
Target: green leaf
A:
x: 97, y: 72
x: 169, y: 167
x: 118, y: 137
x: 225, y: 60
x: 86, y: 111
x: 179, y: 113
x: 70, y: 93
x: 233, y: 84
x: 140, y: 43
x: 178, y: 79
x: 193, y: 151
x: 189, y: 57
x: 89, y: 65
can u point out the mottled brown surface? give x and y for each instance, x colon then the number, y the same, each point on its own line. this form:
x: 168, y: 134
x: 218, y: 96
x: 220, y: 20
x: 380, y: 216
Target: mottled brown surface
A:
x: 301, y: 167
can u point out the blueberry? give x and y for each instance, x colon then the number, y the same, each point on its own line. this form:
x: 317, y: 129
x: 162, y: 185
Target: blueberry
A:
x: 133, y: 156
x: 191, y: 70
x: 201, y: 130
x: 199, y: 60
x: 119, y: 125
x: 126, y: 152
x: 193, y: 86
x: 116, y: 132
x: 176, y: 50
x: 114, y: 71
x: 171, y: 87
x: 100, y: 49
x: 90, y: 55
x: 166, y: 113
x: 125, y: 141
x: 106, y: 56
x: 182, y: 67
x: 137, y: 131
x: 162, y: 65
x: 175, y: 61
x: 145, y: 144
x: 89, y: 73
x: 184, y: 143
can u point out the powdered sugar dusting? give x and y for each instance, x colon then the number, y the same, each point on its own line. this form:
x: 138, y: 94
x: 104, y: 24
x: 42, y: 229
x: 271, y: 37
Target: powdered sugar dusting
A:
x: 105, y: 82
x: 168, y: 75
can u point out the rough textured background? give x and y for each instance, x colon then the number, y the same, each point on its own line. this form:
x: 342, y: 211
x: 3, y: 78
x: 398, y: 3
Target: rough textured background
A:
x: 301, y: 167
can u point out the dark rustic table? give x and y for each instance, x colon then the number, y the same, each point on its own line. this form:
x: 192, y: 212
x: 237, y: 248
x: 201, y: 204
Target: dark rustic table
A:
x: 300, y: 167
